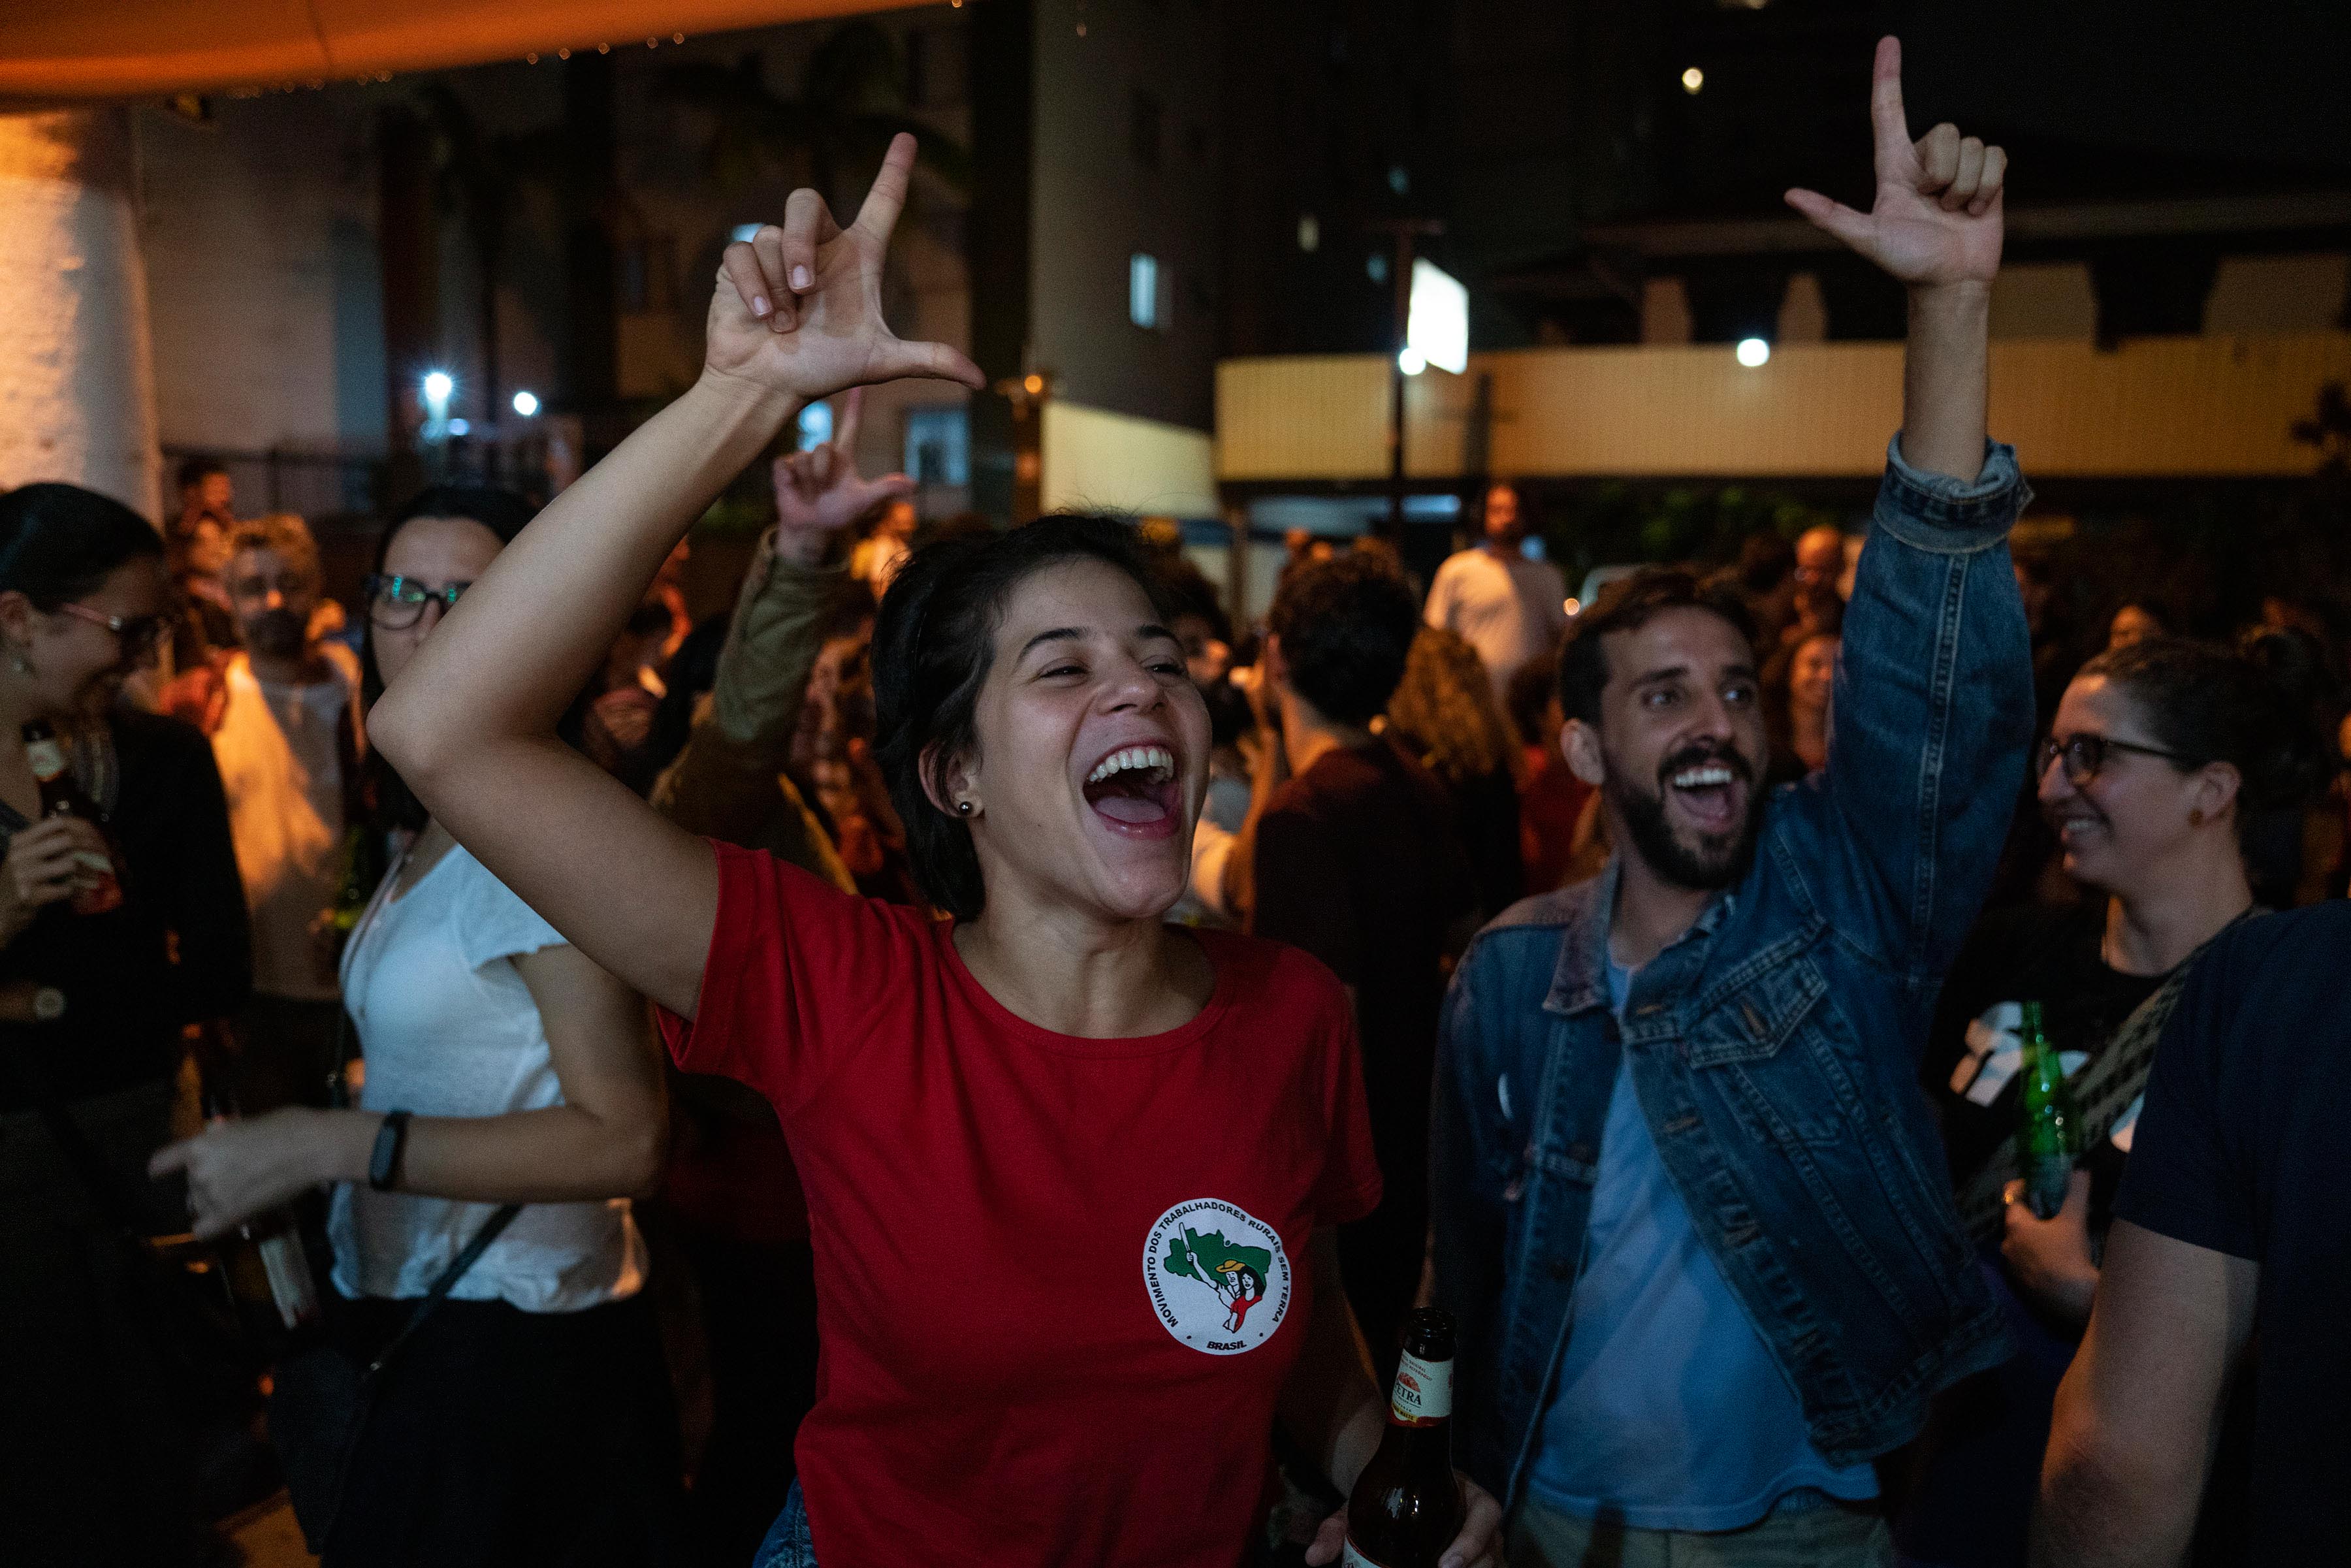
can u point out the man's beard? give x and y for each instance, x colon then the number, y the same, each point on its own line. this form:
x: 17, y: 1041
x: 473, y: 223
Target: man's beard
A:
x: 277, y: 634
x: 1717, y: 859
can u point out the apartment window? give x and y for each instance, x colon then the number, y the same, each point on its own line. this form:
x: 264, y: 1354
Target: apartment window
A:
x: 1143, y: 131
x: 1143, y: 290
x: 939, y: 444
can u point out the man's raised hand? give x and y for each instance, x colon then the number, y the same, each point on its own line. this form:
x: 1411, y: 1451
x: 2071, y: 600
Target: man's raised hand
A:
x: 1937, y: 216
x: 797, y: 309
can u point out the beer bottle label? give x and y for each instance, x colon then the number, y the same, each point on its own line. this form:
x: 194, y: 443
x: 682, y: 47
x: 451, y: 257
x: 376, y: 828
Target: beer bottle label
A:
x: 47, y: 757
x: 1424, y: 1392
x: 1351, y: 1558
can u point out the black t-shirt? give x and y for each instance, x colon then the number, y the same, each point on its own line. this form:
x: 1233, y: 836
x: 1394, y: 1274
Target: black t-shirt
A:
x: 1359, y: 862
x: 2032, y: 953
x: 179, y: 947
x: 2241, y: 1149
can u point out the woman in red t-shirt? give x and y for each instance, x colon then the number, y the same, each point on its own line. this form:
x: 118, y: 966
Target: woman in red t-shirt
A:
x: 1042, y: 1142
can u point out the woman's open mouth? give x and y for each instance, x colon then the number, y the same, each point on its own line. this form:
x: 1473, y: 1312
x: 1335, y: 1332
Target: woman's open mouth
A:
x: 1134, y: 791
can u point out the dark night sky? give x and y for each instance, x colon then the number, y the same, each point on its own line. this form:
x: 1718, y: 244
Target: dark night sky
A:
x: 2263, y: 81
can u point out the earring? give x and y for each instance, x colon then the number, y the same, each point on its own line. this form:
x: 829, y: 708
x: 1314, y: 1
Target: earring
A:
x: 18, y: 663
x: 963, y: 808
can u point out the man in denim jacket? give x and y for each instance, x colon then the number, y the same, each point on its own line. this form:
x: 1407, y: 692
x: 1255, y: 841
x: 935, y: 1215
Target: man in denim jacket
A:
x: 1691, y: 1213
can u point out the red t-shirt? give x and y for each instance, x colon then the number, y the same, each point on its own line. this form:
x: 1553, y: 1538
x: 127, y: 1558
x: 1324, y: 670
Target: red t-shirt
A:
x: 1030, y: 1248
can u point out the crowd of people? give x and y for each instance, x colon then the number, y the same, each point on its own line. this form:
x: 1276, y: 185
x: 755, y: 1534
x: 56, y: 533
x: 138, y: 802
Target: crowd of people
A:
x: 733, y: 1069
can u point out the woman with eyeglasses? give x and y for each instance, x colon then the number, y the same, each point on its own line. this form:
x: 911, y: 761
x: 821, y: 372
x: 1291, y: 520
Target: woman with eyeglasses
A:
x: 2160, y: 755
x: 91, y: 1009
x: 529, y: 1419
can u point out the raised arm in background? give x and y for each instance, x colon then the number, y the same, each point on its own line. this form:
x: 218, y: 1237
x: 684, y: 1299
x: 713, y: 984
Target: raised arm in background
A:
x: 797, y: 315
x: 1933, y: 708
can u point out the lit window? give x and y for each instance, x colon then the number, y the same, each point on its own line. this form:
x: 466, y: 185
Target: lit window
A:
x: 938, y: 446
x: 816, y: 425
x: 1143, y: 290
x: 1310, y: 233
x: 1399, y: 180
x: 1376, y: 265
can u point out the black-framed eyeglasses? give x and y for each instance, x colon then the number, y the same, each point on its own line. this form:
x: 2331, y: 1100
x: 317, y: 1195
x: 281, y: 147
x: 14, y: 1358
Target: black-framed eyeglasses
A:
x: 138, y: 635
x: 396, y: 603
x: 2085, y: 755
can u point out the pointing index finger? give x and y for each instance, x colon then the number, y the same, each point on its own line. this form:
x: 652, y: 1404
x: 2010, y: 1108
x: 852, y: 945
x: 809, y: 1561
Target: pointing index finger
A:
x: 882, y: 204
x: 1891, y: 128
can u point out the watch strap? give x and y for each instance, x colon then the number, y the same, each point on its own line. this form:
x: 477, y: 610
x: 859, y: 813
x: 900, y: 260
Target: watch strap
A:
x: 391, y: 1145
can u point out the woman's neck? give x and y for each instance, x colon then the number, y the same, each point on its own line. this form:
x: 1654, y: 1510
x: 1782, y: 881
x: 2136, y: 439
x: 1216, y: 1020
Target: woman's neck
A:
x: 2152, y: 931
x: 1078, y: 975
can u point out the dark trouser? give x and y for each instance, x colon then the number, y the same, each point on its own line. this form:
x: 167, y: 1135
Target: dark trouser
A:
x: 506, y: 1437
x: 286, y: 1048
x: 96, y: 1450
x: 758, y: 1319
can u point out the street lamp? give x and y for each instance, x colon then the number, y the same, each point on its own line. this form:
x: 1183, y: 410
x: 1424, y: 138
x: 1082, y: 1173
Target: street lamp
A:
x: 437, y: 388
x: 526, y: 404
x: 1754, y: 352
x: 1411, y: 361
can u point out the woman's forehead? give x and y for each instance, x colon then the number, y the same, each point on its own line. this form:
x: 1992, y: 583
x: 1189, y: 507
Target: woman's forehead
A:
x: 1086, y: 596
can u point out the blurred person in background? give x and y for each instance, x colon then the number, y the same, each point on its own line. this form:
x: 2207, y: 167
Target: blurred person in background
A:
x: 881, y: 553
x: 205, y: 496
x: 1555, y: 819
x: 1821, y: 582
x: 1444, y: 713
x: 105, y: 1469
x: 531, y: 1416
x: 2159, y: 756
x: 2134, y: 623
x: 1510, y: 607
x: 1350, y: 853
x: 1798, y: 681
x: 282, y: 714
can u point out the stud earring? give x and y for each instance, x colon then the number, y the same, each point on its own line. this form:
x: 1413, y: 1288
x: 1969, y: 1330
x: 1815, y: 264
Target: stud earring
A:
x: 963, y: 808
x: 18, y: 663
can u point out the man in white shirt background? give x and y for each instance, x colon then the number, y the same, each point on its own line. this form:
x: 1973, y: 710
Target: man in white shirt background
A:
x: 1509, y: 608
x: 282, y: 712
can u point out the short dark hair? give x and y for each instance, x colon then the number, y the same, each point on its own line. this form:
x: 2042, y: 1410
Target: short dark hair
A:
x: 1626, y: 605
x: 58, y: 542
x: 1346, y: 627
x: 2249, y: 707
x: 195, y: 468
x: 389, y: 801
x: 1190, y: 592
x: 934, y: 644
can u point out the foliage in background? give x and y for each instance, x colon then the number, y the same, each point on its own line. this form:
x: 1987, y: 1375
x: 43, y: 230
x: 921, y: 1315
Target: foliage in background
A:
x: 1614, y: 523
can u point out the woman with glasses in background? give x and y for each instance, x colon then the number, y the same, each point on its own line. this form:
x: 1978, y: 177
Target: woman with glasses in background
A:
x: 92, y: 1004
x: 2161, y: 753
x: 529, y: 1418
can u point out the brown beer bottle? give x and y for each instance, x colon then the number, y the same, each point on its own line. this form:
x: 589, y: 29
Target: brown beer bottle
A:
x: 61, y: 796
x: 267, y: 1265
x: 1407, y: 1508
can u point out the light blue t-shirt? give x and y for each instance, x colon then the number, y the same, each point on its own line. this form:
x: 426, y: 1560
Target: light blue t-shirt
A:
x: 1669, y: 1412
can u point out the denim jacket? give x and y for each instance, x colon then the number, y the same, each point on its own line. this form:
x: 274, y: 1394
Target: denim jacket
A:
x: 1775, y: 1044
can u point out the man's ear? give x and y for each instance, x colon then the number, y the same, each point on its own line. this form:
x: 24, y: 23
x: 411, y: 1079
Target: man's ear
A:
x: 1579, y: 743
x: 16, y: 613
x: 2217, y: 787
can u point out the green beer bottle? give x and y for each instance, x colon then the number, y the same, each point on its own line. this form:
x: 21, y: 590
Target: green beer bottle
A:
x: 2048, y: 1133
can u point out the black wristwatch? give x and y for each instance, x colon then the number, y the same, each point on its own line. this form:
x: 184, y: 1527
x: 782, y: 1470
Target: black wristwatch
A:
x: 390, y: 1144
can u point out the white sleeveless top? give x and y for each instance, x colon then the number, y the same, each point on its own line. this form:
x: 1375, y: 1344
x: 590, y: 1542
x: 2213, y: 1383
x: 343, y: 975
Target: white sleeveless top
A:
x: 449, y: 1029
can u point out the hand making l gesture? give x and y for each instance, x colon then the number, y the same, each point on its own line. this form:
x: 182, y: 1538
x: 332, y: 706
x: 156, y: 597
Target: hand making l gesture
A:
x: 797, y: 308
x: 1936, y: 218
x: 820, y: 492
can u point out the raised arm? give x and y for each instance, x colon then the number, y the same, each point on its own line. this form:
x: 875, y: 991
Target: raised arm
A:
x: 796, y: 316
x: 1934, y: 685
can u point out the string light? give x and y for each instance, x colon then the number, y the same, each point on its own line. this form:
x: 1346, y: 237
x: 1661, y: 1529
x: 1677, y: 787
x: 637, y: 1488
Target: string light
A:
x: 563, y: 54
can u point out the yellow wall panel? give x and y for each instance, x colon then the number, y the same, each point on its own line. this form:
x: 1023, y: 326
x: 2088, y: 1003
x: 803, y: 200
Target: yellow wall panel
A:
x: 2218, y: 406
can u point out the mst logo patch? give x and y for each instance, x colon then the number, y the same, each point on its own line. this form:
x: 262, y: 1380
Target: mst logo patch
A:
x: 1219, y: 1278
